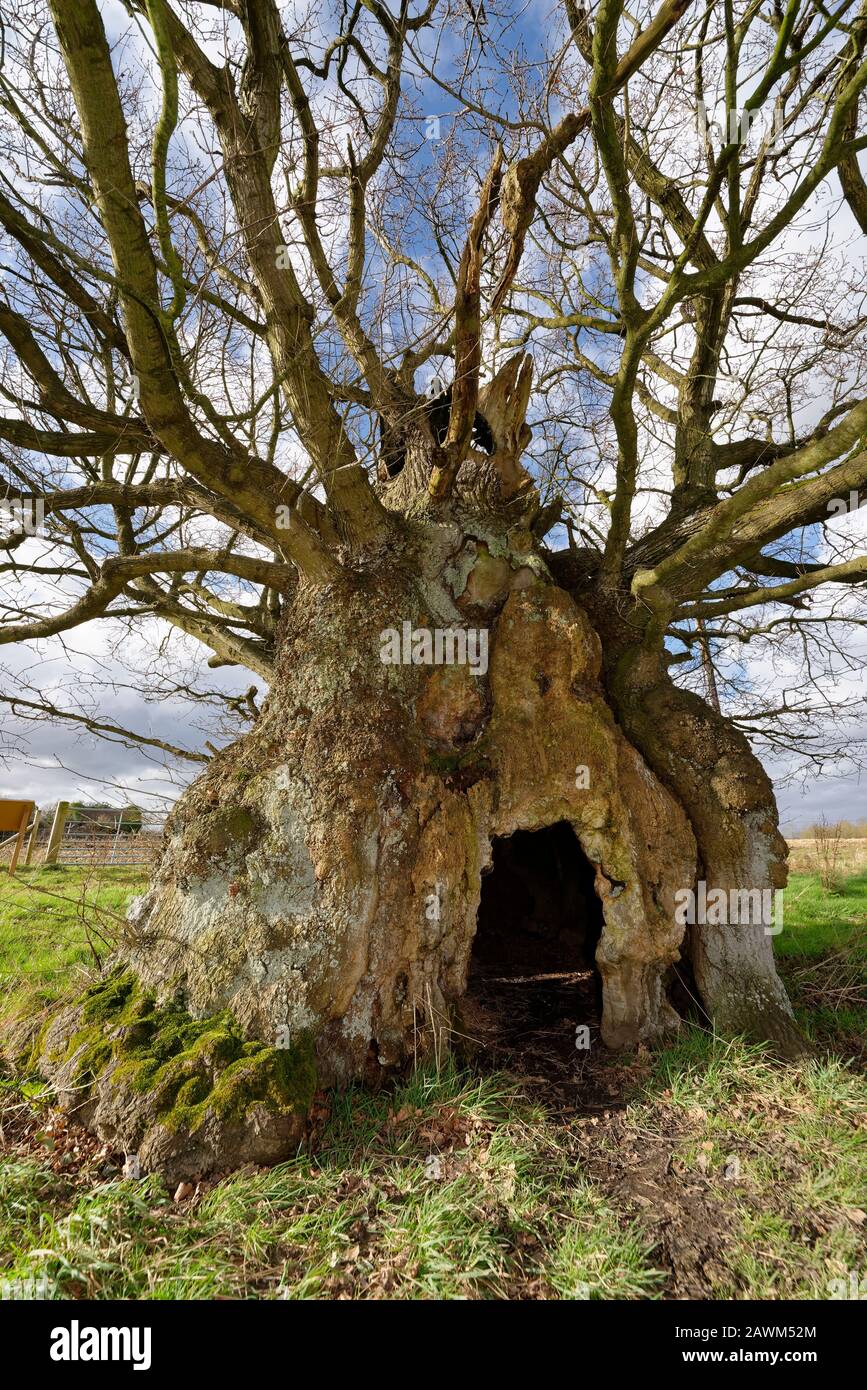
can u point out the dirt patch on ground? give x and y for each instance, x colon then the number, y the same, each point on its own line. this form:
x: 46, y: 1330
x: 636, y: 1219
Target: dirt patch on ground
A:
x: 544, y: 1031
x: 526, y: 1027
x: 642, y: 1175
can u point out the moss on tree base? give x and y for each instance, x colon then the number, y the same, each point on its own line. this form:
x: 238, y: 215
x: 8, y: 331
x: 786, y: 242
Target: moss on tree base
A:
x: 188, y: 1095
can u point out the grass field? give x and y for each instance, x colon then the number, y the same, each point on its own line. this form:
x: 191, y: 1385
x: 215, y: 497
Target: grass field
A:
x: 711, y: 1171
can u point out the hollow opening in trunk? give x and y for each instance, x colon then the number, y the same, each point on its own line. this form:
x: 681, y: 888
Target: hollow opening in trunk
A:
x: 533, y: 980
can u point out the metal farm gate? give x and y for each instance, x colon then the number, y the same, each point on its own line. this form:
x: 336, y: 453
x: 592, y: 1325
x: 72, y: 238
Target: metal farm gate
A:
x: 82, y: 843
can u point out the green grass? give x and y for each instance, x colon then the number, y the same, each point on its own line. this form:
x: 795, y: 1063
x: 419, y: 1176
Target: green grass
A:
x: 508, y: 1214
x: 54, y: 924
x: 816, y: 921
x: 717, y: 1173
x: 783, y: 1147
x: 823, y: 956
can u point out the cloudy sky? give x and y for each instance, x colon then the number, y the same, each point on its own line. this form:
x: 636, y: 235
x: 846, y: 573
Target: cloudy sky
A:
x: 105, y: 672
x: 835, y: 798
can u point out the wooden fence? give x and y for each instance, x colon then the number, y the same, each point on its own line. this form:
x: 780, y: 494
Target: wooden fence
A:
x: 73, y: 843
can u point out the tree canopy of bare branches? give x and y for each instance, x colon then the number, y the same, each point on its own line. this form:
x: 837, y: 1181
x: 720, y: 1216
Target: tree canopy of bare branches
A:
x: 241, y: 239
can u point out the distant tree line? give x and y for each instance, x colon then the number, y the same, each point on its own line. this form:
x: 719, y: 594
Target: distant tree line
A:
x: 842, y: 829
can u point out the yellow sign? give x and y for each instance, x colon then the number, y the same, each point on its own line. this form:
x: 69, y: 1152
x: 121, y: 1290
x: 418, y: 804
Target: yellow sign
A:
x: 13, y: 812
x: 15, y: 815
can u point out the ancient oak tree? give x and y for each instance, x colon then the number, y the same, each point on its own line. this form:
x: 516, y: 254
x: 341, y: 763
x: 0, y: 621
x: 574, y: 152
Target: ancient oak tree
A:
x: 321, y: 323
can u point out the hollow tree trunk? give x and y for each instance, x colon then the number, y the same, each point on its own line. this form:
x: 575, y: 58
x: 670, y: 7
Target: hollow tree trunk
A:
x: 312, y: 917
x: 321, y: 880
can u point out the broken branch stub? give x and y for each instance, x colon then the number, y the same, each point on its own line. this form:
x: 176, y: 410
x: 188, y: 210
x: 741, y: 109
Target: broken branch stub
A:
x: 504, y: 402
x: 468, y: 336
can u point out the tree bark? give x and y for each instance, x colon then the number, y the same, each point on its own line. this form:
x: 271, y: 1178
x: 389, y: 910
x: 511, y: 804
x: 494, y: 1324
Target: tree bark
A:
x: 727, y: 795
x: 312, y: 917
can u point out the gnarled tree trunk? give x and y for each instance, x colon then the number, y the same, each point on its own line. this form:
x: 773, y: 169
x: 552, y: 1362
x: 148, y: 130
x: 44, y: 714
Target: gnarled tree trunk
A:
x: 312, y: 917
x: 728, y: 797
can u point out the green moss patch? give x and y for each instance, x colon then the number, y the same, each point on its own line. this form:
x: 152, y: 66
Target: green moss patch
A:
x: 469, y: 766
x: 192, y: 1068
x: 231, y: 829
